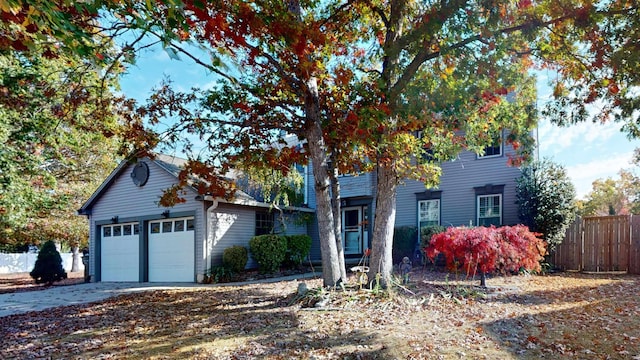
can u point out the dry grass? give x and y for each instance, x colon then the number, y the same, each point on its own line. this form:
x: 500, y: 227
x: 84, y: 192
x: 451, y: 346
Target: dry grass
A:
x: 570, y: 316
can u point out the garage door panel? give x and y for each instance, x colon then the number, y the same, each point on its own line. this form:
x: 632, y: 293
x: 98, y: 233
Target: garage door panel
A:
x: 120, y: 253
x: 172, y: 251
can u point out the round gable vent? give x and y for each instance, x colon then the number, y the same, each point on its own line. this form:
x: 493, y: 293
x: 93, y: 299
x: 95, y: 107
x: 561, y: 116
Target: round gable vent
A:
x: 140, y: 174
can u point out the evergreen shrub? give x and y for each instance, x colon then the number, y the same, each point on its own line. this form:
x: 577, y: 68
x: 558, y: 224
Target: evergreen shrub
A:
x: 269, y: 251
x: 235, y: 258
x: 298, y: 247
x: 48, y: 267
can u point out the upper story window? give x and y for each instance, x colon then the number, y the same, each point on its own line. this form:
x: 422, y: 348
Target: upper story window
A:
x: 428, y: 154
x: 493, y: 150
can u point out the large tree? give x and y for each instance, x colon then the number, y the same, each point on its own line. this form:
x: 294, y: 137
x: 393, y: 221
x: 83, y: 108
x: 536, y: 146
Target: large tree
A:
x: 613, y: 196
x: 293, y: 52
x: 592, y: 45
x: 454, y: 70
x: 54, y: 113
x: 274, y: 61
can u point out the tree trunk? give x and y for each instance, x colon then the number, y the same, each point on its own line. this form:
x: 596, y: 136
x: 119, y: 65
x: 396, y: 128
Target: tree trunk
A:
x: 384, y: 221
x: 75, y: 258
x: 337, y: 221
x: 318, y: 152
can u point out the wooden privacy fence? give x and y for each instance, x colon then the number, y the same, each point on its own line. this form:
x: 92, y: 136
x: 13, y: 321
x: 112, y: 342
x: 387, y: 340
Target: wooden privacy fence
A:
x: 601, y: 244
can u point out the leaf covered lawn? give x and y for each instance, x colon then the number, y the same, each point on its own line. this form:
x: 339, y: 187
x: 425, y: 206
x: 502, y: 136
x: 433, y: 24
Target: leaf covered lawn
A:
x: 572, y: 316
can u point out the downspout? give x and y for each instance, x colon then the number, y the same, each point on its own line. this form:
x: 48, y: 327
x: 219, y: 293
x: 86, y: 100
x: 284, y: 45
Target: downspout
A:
x: 306, y: 182
x: 209, y: 230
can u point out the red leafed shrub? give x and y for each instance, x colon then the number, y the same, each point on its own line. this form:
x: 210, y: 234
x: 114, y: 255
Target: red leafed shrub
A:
x: 488, y: 249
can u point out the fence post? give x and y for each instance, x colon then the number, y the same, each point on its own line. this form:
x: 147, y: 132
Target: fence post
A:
x: 581, y: 252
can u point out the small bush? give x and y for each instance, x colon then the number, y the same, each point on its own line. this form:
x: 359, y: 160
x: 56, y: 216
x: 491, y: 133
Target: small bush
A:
x: 404, y: 242
x: 235, y: 258
x: 489, y: 249
x: 269, y: 251
x: 426, y: 232
x: 48, y: 267
x: 218, y: 274
x: 298, y: 247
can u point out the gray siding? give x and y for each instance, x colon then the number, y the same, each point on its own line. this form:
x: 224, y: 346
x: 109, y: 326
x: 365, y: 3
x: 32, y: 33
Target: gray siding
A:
x: 127, y: 201
x: 235, y: 225
x: 356, y: 185
x: 458, y: 197
x: 457, y: 183
x: 231, y: 225
x: 313, y: 226
x: 315, y: 254
x: 294, y: 224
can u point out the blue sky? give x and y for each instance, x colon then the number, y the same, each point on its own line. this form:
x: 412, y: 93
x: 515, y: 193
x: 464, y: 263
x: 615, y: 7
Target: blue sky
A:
x: 588, y: 151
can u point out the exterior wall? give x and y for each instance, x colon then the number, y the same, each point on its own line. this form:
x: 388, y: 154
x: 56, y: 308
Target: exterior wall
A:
x: 132, y: 203
x: 231, y: 225
x: 457, y: 183
x: 312, y: 228
x: 356, y: 185
x: 235, y: 225
x: 294, y: 225
x: 315, y: 254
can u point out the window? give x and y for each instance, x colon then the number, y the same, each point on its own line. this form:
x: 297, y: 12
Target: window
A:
x: 428, y: 155
x: 493, y: 150
x: 428, y: 213
x: 190, y: 225
x: 117, y: 230
x: 490, y: 210
x: 166, y: 226
x: 178, y: 225
x: 106, y: 231
x: 264, y: 223
x: 155, y: 228
x: 136, y: 229
x: 126, y: 229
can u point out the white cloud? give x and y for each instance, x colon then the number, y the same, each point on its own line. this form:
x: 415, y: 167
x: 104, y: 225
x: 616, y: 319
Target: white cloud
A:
x: 554, y: 139
x: 583, y: 174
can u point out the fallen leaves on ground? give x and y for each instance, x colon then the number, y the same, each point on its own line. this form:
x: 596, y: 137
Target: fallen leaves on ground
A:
x: 19, y: 282
x: 519, y: 317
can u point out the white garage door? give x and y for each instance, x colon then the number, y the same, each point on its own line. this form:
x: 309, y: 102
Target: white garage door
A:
x: 120, y: 252
x: 172, y: 250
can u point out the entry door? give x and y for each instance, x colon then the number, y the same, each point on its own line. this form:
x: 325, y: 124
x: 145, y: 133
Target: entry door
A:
x: 352, y: 230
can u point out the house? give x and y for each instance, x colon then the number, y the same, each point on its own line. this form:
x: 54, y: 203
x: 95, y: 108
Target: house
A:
x: 474, y: 190
x: 132, y: 238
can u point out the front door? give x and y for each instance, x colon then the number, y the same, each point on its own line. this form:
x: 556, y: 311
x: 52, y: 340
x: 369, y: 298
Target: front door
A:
x: 352, y: 234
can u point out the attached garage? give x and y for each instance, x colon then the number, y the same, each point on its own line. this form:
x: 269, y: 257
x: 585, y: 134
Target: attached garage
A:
x: 133, y: 238
x: 120, y: 255
x: 172, y: 250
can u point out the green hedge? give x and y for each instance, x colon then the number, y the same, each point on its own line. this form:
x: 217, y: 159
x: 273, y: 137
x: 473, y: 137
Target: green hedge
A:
x: 269, y: 251
x: 298, y: 247
x: 235, y: 258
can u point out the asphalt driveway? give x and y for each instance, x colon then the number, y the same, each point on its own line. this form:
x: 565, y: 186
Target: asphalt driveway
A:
x: 21, y: 302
